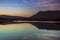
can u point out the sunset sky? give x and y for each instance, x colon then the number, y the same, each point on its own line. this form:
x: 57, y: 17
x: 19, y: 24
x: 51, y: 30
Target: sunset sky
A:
x: 27, y: 8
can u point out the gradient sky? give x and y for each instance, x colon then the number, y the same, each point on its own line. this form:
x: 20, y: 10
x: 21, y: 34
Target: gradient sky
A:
x: 27, y: 8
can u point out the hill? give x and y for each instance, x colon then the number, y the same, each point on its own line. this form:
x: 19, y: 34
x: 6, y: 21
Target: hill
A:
x: 7, y: 17
x: 46, y: 15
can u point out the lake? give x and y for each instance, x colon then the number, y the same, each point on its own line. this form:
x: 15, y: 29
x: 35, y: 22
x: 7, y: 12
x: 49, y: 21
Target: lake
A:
x: 26, y: 31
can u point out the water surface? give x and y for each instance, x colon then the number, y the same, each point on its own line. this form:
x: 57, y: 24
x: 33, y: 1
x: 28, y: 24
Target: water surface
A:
x: 26, y: 31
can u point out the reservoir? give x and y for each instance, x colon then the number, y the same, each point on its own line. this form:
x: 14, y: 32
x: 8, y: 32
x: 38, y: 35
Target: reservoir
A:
x: 27, y: 31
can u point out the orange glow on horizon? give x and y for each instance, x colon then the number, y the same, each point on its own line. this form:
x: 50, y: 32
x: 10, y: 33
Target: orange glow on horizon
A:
x: 16, y: 13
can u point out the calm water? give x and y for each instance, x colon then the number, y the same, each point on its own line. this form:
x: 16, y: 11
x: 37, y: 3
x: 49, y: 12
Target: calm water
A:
x: 26, y: 31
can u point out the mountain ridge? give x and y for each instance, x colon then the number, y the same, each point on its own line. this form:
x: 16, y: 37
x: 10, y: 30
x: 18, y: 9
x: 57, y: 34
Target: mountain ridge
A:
x: 41, y: 15
x: 46, y: 15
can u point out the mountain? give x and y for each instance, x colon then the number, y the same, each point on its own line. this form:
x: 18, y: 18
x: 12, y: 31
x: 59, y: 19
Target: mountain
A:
x: 7, y: 17
x: 46, y: 15
x: 41, y: 16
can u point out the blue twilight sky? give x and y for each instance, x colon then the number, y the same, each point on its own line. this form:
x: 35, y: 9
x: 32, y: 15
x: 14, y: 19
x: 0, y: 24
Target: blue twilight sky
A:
x: 27, y: 8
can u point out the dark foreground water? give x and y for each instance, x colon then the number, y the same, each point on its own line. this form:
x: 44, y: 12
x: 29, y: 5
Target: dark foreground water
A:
x: 26, y: 31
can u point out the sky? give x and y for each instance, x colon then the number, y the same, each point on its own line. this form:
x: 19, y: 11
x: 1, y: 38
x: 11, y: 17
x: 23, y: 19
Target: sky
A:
x: 27, y: 8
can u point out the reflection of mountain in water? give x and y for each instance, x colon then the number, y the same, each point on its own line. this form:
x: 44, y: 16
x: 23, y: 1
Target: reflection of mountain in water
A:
x: 40, y: 16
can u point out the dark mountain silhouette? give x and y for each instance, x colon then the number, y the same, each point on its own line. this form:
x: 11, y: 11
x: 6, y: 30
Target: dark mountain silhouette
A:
x: 40, y: 16
x: 46, y: 15
x: 7, y: 17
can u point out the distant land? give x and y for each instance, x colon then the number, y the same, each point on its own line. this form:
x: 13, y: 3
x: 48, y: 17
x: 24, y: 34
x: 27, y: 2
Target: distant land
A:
x: 40, y: 16
x: 8, y: 17
x: 47, y: 15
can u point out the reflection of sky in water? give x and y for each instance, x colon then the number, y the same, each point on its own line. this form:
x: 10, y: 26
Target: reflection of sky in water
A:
x: 26, y: 31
